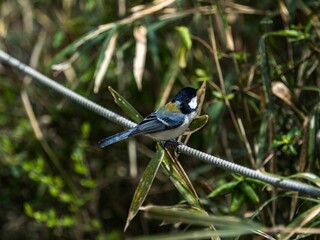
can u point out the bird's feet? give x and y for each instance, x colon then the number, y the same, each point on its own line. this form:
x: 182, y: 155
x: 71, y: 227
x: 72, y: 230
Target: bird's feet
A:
x: 171, y: 143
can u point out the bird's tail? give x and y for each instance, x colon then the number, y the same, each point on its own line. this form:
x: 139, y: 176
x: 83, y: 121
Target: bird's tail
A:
x: 115, y: 138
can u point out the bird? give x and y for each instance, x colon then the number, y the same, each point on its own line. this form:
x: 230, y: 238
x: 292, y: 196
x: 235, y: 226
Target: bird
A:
x: 166, y: 123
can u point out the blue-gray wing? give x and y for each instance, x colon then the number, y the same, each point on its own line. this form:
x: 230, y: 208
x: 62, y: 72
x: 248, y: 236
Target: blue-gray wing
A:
x: 159, y: 121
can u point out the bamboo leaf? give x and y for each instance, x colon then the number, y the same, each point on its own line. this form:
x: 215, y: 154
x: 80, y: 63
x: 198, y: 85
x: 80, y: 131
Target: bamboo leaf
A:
x: 265, y: 70
x: 197, y: 124
x: 144, y: 185
x: 185, y: 47
x: 262, y: 140
x: 104, y: 63
x: 193, y: 216
x: 125, y: 106
x: 237, y: 200
x: 223, y: 188
x: 248, y: 190
x: 180, y: 180
x: 167, y: 82
x: 312, y: 136
x: 308, y: 176
x: 140, y: 35
x: 185, y: 37
x: 78, y: 46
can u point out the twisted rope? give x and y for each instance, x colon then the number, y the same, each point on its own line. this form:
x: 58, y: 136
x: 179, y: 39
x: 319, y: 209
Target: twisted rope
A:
x: 232, y: 167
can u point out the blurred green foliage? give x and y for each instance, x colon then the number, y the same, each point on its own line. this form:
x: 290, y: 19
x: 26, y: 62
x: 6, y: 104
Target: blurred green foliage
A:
x: 260, y: 63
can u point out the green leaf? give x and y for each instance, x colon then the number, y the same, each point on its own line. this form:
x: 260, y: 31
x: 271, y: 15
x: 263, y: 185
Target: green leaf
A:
x: 144, y: 185
x: 185, y: 47
x: 180, y: 180
x: 195, y: 235
x: 264, y: 62
x: 88, y: 183
x: 197, y: 124
x: 28, y: 209
x: 79, y: 45
x: 85, y: 129
x: 58, y: 39
x: 191, y: 216
x: 68, y: 221
x: 217, y: 95
x: 248, y: 190
x: 308, y: 176
x: 125, y: 106
x: 168, y: 80
x: 297, y: 35
x: 236, y: 201
x: 313, y: 128
x: 262, y: 140
x: 223, y: 188
x: 185, y: 37
x: 202, y: 75
x: 182, y: 57
x: 230, y: 96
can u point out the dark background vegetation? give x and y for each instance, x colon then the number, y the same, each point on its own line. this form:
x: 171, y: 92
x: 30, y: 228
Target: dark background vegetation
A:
x: 55, y: 181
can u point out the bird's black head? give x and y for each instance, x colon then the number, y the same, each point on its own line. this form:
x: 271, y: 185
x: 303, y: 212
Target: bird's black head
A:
x: 186, y: 100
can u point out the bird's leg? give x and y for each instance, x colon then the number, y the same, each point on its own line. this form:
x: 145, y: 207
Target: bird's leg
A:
x: 173, y: 143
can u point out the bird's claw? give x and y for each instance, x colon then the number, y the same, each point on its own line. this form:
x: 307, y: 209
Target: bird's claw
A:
x: 171, y: 143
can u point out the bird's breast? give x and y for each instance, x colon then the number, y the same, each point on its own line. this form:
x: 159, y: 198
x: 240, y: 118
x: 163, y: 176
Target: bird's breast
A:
x: 171, y: 133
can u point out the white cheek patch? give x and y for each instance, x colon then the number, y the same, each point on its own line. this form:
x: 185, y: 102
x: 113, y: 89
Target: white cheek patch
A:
x: 193, y: 103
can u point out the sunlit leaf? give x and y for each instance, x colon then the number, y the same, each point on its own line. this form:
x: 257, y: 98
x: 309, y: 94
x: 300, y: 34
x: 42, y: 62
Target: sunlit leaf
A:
x: 104, y: 60
x: 140, y: 35
x: 185, y: 37
x: 185, y: 47
x: 28, y: 209
x: 217, y: 94
x: 202, y: 75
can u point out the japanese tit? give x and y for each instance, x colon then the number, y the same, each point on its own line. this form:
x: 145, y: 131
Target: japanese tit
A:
x: 167, y: 123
